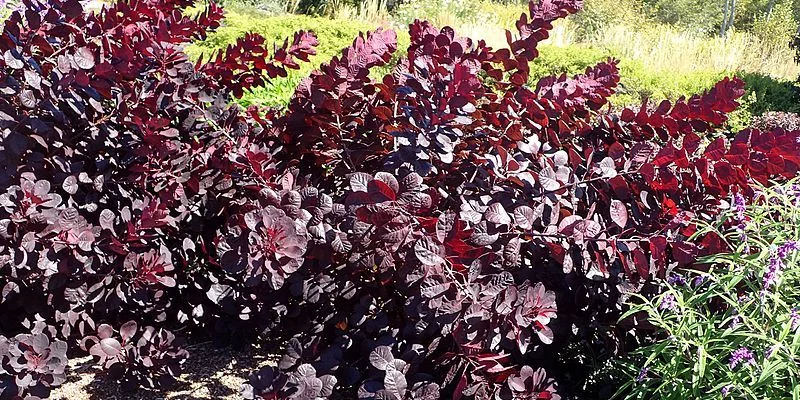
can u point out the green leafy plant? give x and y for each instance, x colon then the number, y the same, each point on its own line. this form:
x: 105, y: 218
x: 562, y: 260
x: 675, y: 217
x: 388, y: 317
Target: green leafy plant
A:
x: 733, y: 331
x: 778, y: 27
x: 771, y: 94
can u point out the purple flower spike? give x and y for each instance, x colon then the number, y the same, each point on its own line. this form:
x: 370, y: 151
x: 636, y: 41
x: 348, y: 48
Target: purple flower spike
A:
x: 735, y: 322
x: 773, y: 269
x: 741, y: 220
x: 796, y: 190
x: 642, y: 375
x: 742, y: 356
x: 739, y: 206
x: 788, y: 248
x: 676, y: 279
x: 667, y: 302
x: 699, y: 280
x: 775, y: 264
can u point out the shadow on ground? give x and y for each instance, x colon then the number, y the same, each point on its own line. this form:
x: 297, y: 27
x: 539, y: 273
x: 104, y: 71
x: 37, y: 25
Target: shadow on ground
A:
x: 210, y: 373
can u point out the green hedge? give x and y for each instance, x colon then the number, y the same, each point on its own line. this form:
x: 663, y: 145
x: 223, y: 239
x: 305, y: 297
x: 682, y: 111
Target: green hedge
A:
x: 637, y: 83
x: 763, y: 93
x: 334, y: 35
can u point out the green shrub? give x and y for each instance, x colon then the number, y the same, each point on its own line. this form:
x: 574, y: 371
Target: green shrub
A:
x: 438, y: 11
x: 732, y: 332
x: 771, y: 94
x: 554, y: 60
x: 763, y: 93
x: 268, y: 7
x: 637, y: 84
x: 779, y: 28
x: 333, y: 35
x: 692, y: 15
x: 640, y: 83
x: 742, y: 117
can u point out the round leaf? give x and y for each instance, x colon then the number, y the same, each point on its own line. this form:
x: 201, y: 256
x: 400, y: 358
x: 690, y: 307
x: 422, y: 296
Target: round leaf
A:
x: 70, y: 184
x: 619, y: 213
x: 110, y: 346
x: 547, y: 178
x: 497, y: 214
x: 382, y: 358
x: 84, y: 58
x: 428, y: 252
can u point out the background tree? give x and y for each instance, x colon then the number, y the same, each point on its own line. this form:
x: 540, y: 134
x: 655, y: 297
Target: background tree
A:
x: 728, y: 15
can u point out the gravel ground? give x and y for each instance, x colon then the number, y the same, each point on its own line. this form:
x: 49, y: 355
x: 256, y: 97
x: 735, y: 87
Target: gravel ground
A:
x: 210, y: 373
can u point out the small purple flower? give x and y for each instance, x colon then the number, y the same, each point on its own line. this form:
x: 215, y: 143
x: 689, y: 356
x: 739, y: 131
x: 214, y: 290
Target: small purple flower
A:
x: 726, y: 390
x: 773, y: 269
x: 775, y: 264
x: 676, y: 279
x: 741, y: 220
x: 743, y: 298
x: 787, y: 248
x: 699, y: 280
x: 642, y: 375
x: 742, y: 356
x: 735, y: 321
x: 739, y: 206
x: 795, y: 318
x: 667, y: 302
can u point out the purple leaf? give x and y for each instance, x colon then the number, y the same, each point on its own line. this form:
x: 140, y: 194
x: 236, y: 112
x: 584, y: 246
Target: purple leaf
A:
x: 428, y: 252
x: 497, y: 214
x: 619, y: 213
x: 84, y: 58
x: 395, y: 383
x: 382, y: 358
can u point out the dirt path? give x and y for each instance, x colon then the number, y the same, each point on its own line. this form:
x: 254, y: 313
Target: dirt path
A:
x: 210, y: 373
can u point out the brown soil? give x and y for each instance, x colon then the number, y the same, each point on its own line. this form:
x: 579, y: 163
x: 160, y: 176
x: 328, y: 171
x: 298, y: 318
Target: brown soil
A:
x: 210, y: 373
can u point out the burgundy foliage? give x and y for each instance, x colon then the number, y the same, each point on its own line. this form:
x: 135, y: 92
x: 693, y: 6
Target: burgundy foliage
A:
x: 443, y: 231
x: 136, y: 358
x: 35, y: 362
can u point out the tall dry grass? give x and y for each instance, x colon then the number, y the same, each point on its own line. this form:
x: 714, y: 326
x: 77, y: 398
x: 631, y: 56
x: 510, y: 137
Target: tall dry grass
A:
x: 667, y: 49
x: 659, y: 48
x: 374, y: 12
